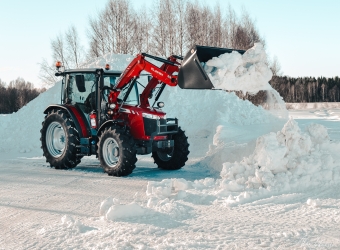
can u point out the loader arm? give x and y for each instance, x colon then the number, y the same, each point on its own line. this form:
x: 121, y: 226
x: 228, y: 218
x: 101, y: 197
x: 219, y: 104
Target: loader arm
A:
x: 191, y: 73
x: 159, y: 74
x: 168, y: 69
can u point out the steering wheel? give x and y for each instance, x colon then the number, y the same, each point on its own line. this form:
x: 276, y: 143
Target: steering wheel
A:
x: 105, y: 95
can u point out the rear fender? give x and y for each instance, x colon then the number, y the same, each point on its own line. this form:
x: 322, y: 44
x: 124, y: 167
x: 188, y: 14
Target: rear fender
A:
x: 77, y: 116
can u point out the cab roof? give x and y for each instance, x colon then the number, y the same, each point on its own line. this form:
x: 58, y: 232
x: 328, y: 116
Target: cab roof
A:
x: 93, y: 70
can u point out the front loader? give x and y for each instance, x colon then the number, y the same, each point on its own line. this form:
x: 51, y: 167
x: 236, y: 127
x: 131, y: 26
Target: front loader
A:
x: 112, y: 114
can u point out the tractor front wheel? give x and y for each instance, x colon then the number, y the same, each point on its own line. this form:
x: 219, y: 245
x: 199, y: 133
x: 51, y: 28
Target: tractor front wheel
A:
x: 176, y: 157
x: 59, y: 140
x: 116, y: 152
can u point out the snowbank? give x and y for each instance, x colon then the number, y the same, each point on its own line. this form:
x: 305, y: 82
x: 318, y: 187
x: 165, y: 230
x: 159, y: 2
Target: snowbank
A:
x: 289, y: 160
x: 210, y: 117
x: 20, y: 131
x: 112, y: 209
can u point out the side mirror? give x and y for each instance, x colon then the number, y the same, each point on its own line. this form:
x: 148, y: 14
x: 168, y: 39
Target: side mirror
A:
x: 80, y: 81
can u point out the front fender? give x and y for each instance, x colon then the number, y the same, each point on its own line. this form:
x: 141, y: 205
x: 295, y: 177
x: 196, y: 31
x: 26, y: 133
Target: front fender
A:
x: 108, y: 123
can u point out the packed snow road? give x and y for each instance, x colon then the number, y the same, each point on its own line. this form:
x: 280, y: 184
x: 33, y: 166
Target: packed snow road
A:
x: 44, y: 208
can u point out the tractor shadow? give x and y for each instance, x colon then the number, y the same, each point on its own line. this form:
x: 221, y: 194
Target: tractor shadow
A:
x: 147, y: 170
x: 193, y: 170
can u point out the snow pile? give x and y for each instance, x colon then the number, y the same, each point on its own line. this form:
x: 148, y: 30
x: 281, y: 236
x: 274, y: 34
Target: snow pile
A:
x: 202, y: 113
x: 112, y: 209
x: 289, y: 160
x: 210, y: 117
x: 313, y: 203
x: 247, y: 72
x: 73, y: 225
x: 20, y: 131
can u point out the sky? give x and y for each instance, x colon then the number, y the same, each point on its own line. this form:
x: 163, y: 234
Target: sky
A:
x: 304, y: 34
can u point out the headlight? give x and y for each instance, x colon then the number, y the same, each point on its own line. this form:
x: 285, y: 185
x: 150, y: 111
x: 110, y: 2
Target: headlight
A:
x: 112, y: 106
x: 150, y: 116
x: 160, y: 104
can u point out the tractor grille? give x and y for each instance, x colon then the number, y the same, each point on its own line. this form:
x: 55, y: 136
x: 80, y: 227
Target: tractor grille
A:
x: 153, y: 127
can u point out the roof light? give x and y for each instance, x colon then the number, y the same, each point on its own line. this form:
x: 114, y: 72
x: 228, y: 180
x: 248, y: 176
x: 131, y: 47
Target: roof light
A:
x: 58, y: 65
x: 107, y: 66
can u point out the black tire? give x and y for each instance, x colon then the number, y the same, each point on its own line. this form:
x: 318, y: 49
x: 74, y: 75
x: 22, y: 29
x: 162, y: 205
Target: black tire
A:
x: 116, y: 152
x: 59, y: 140
x: 177, y: 157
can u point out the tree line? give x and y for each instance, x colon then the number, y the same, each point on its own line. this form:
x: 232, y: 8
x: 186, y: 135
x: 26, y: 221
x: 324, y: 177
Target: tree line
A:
x: 16, y: 95
x: 307, y: 89
x: 170, y: 27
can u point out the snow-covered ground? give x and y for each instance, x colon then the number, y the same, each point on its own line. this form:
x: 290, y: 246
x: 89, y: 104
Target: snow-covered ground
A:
x: 254, y: 179
x: 43, y: 208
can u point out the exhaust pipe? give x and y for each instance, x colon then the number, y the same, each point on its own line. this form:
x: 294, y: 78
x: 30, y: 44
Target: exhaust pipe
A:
x: 191, y: 74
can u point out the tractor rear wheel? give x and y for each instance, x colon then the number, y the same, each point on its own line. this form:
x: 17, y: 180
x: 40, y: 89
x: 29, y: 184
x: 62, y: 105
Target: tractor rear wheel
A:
x: 116, y: 152
x: 176, y: 157
x: 59, y: 140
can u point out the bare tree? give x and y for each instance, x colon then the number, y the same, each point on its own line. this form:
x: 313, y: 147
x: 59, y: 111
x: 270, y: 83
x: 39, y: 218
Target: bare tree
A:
x: 160, y: 32
x: 59, y: 50
x: 180, y: 33
x: 216, y: 28
x: 99, y: 36
x: 113, y: 30
x: 142, y: 36
x: 275, y: 67
x: 73, y: 47
x: 193, y: 24
x: 119, y: 16
x: 47, y: 72
x: 66, y: 49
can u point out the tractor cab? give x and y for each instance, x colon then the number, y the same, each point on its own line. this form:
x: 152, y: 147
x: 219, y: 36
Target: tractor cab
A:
x: 88, y: 90
x: 79, y: 87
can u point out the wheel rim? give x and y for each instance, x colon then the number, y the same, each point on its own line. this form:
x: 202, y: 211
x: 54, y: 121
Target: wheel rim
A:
x: 55, y: 139
x: 165, y: 156
x: 111, y: 152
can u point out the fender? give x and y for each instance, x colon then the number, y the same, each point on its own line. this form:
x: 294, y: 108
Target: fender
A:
x: 108, y: 123
x: 77, y: 116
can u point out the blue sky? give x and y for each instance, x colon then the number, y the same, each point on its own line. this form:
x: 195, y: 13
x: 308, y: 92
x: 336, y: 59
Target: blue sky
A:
x: 303, y: 34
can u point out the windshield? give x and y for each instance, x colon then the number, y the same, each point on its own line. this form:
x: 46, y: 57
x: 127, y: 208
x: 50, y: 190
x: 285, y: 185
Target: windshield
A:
x: 133, y: 98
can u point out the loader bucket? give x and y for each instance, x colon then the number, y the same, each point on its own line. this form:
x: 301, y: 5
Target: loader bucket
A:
x: 191, y: 74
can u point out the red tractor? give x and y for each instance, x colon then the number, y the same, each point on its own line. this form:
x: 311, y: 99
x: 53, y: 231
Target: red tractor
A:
x: 102, y: 113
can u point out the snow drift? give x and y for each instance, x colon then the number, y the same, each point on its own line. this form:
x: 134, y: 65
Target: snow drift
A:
x: 289, y: 160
